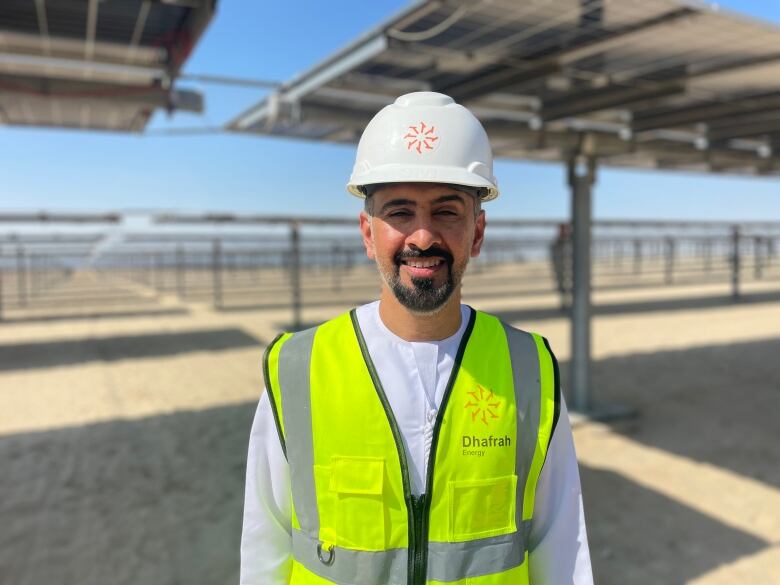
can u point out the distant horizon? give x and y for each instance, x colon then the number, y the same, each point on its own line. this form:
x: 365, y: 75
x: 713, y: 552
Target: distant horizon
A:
x: 306, y: 219
x: 59, y: 170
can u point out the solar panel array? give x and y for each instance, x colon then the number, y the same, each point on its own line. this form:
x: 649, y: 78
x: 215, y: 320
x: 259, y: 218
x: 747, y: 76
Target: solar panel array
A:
x: 637, y: 83
x: 96, y: 64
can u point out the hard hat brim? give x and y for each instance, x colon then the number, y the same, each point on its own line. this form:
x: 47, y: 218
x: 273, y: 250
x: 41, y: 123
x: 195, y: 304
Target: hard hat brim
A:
x: 414, y: 174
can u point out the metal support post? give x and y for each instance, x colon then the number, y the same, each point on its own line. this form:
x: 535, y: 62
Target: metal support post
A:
x: 582, y: 175
x: 335, y: 254
x: 757, y: 258
x: 2, y: 270
x: 255, y: 266
x: 560, y: 253
x: 21, y: 276
x: 216, y: 273
x: 637, y: 257
x: 669, y: 268
x: 295, y: 273
x: 159, y: 282
x: 735, y: 262
x: 44, y: 268
x: 149, y: 275
x: 32, y: 270
x: 181, y: 290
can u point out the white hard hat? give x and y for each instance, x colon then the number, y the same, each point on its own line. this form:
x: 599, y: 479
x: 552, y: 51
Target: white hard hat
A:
x: 424, y: 137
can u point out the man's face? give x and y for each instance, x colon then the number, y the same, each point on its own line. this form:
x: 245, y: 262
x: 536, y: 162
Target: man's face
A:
x: 422, y: 236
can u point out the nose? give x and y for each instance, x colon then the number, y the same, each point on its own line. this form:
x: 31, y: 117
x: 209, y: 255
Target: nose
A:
x: 424, y: 234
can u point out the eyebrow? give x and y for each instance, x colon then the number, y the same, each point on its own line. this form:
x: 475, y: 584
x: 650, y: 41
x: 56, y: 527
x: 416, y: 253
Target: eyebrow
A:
x: 401, y: 201
x: 445, y: 198
x: 396, y: 203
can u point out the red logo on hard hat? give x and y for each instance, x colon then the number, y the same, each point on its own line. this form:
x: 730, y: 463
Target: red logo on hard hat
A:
x: 421, y: 137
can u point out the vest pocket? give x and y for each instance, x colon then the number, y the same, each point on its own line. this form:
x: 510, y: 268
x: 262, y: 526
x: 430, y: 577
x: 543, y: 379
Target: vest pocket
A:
x: 482, y: 507
x: 358, y: 484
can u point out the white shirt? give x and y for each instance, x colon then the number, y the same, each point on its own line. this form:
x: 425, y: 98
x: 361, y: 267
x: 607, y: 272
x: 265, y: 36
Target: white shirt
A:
x: 414, y: 376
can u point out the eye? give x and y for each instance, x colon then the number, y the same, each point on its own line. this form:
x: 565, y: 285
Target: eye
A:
x: 447, y: 212
x: 399, y: 213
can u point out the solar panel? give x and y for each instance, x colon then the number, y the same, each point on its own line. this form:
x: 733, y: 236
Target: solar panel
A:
x: 644, y: 83
x: 97, y: 64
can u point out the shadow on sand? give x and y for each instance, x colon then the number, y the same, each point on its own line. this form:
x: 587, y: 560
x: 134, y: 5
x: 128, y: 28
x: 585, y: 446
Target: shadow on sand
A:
x: 640, y: 537
x: 47, y: 354
x: 92, y: 315
x: 715, y: 404
x: 156, y: 500
x: 159, y: 500
x: 638, y: 307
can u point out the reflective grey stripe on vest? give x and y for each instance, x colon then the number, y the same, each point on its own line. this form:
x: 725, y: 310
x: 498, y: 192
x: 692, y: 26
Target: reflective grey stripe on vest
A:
x: 452, y: 561
x: 528, y: 395
x: 353, y: 567
x: 294, y: 382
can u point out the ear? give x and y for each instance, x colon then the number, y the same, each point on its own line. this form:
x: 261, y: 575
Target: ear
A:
x: 479, y: 234
x: 365, y: 231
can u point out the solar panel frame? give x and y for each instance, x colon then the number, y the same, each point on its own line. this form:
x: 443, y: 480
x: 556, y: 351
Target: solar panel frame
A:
x: 98, y: 64
x: 573, y: 67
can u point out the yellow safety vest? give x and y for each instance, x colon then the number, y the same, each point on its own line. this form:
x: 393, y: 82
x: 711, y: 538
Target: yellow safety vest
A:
x: 355, y: 520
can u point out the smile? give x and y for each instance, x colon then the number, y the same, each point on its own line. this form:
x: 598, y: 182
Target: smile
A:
x: 422, y: 262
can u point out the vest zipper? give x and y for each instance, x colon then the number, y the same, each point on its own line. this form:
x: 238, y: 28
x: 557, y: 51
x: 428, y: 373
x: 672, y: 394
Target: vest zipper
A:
x: 418, y: 568
x: 425, y: 513
x: 417, y: 508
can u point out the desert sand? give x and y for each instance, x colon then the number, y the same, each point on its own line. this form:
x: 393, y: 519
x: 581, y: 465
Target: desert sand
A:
x: 124, y: 424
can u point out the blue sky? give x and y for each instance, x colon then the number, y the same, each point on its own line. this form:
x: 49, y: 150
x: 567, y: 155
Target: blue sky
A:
x: 69, y: 170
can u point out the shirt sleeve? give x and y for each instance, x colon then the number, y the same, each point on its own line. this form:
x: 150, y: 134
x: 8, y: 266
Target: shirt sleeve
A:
x: 559, y: 553
x: 266, y: 541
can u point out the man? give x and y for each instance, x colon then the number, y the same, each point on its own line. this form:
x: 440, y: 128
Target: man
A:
x: 415, y: 440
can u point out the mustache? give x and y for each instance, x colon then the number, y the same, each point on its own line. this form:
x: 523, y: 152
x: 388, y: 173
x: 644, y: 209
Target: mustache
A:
x: 432, y: 252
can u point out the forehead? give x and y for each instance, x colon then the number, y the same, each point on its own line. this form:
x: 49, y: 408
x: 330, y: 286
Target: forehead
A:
x: 418, y: 192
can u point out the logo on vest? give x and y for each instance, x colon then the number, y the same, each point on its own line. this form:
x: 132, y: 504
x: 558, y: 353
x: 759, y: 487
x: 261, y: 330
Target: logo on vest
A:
x: 484, y: 408
x: 483, y: 405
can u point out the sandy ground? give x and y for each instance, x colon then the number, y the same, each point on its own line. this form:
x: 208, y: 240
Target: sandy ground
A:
x: 123, y: 429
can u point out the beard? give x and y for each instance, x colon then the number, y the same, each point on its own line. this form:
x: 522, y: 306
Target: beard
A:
x: 423, y: 296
